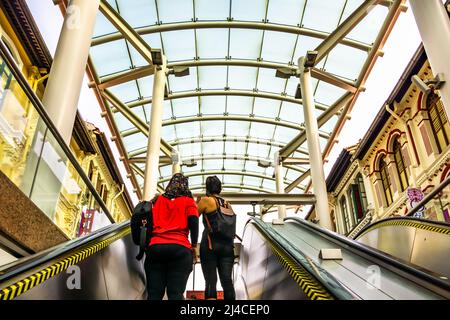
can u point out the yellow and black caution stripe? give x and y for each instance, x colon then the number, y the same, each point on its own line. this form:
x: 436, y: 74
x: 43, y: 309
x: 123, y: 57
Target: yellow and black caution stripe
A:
x: 313, y: 289
x: 409, y: 223
x: 22, y: 286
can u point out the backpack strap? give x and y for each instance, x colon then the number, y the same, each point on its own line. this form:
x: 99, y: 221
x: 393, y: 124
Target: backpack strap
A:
x: 209, y: 231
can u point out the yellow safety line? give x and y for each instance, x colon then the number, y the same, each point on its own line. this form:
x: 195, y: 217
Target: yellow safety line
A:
x: 409, y: 223
x: 44, y: 274
x: 309, y: 285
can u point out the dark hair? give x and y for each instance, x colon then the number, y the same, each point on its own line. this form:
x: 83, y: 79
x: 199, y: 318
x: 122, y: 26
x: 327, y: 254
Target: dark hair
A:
x: 213, y: 185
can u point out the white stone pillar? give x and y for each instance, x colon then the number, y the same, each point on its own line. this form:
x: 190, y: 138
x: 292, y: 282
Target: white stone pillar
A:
x: 315, y: 155
x: 154, y: 137
x: 69, y: 65
x: 434, y: 28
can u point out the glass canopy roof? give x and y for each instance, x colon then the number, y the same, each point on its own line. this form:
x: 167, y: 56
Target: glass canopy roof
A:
x: 231, y: 110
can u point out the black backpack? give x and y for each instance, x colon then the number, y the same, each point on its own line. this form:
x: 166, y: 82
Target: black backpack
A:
x: 224, y: 226
x: 141, y: 224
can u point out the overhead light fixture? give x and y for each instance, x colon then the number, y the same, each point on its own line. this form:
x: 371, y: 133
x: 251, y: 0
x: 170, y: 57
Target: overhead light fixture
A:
x: 284, y: 73
x: 190, y: 163
x: 157, y: 57
x: 264, y: 163
x: 311, y: 59
x: 179, y: 71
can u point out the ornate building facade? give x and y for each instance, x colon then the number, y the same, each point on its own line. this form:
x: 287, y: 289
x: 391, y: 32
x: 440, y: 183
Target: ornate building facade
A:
x: 404, y: 155
x: 31, y: 160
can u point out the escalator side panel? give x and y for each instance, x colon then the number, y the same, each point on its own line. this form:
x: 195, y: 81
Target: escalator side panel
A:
x: 432, y: 252
x: 112, y: 273
x: 241, y: 272
x: 256, y: 267
x: 92, y: 284
x: 278, y: 284
x: 259, y: 274
x: 427, y: 249
x: 124, y: 275
x: 389, y: 239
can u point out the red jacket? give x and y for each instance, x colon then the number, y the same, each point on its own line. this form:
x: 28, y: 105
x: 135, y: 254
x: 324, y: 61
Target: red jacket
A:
x: 170, y: 220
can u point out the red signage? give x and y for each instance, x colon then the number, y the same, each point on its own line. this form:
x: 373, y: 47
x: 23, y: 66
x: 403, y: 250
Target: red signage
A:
x: 87, y: 218
x: 200, y: 295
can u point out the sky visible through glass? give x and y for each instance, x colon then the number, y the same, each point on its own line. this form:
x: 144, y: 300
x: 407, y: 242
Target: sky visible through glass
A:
x: 279, y: 120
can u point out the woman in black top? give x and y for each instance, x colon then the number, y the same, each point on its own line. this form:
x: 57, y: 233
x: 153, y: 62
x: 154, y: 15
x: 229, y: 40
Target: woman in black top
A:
x: 216, y: 253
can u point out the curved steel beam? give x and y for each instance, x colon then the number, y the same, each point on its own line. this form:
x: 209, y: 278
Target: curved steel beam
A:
x: 234, y: 186
x: 280, y: 123
x: 242, y: 93
x: 168, y: 161
x: 141, y: 72
x: 225, y: 172
x: 134, y: 119
x: 227, y: 25
x: 142, y: 151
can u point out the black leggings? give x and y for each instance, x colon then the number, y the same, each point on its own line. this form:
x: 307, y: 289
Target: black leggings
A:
x: 221, y: 258
x: 167, y: 266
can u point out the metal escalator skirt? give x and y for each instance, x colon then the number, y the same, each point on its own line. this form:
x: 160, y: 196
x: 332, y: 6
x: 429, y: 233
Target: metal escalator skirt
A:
x: 57, y: 266
x: 304, y: 271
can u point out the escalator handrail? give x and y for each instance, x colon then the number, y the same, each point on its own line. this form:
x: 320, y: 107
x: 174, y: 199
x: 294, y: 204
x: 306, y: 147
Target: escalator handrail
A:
x: 328, y: 281
x: 418, y: 220
x: 388, y: 260
x: 20, y: 266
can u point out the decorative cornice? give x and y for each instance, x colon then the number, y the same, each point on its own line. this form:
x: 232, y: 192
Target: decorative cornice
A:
x: 82, y: 135
x: 349, y: 173
x: 22, y: 21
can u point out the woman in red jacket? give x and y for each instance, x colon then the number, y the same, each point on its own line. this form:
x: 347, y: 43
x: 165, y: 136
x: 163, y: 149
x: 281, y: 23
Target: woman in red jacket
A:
x: 169, y: 257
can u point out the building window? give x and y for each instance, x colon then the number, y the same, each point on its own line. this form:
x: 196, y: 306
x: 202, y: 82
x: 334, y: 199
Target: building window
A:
x: 385, y: 181
x: 104, y: 193
x: 400, y: 165
x: 344, y: 211
x: 359, y: 198
x: 91, y: 171
x: 438, y: 119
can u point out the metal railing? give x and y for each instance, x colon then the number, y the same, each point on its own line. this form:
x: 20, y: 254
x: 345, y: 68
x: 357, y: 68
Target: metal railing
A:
x: 429, y: 197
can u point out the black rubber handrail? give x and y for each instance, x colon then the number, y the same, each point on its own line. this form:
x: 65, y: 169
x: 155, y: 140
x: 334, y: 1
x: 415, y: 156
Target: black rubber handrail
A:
x: 37, y: 104
x: 332, y: 285
x: 418, y: 220
x: 60, y: 250
x: 387, y: 259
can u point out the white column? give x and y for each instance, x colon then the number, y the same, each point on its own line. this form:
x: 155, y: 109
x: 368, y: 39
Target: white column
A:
x: 69, y: 65
x: 315, y: 155
x: 176, y: 163
x: 434, y: 28
x: 280, y: 188
x: 154, y: 137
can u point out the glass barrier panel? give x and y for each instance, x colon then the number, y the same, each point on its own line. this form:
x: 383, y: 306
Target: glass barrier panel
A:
x: 33, y: 160
x: 437, y: 209
x: 60, y: 192
x: 18, y: 120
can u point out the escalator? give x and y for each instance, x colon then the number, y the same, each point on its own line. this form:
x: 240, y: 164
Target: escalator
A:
x: 282, y: 262
x: 276, y: 263
x: 100, y: 266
